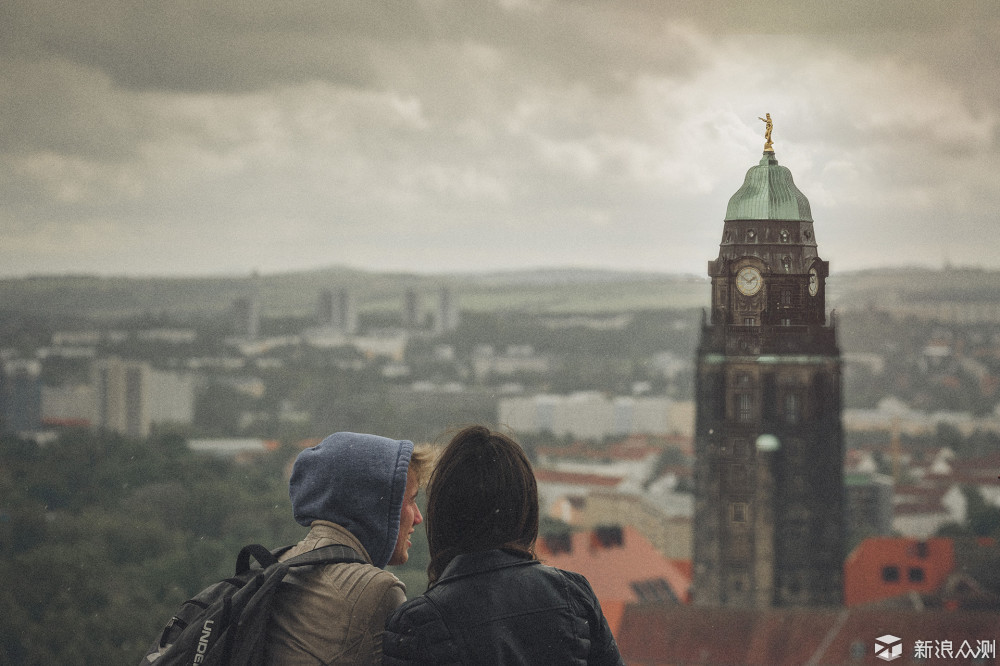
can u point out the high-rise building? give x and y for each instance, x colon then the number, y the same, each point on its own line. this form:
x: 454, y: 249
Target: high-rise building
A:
x: 336, y: 310
x: 587, y: 414
x: 121, y: 391
x: 447, y: 312
x: 246, y: 318
x: 411, y: 309
x: 345, y: 313
x: 245, y: 310
x: 20, y: 395
x: 769, y: 497
x: 324, y: 308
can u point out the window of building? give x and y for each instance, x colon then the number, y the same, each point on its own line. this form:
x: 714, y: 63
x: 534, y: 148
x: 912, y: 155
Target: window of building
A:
x: 744, y: 407
x: 749, y: 321
x: 786, y: 296
x: 792, y: 407
x: 785, y: 321
x: 738, y: 512
x: 890, y: 573
x: 915, y: 574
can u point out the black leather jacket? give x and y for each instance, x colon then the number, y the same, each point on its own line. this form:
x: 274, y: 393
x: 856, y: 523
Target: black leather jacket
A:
x: 498, y: 607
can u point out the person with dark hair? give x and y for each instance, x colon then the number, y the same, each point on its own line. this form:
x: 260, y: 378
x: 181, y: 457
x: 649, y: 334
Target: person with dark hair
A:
x: 359, y: 491
x: 490, y: 601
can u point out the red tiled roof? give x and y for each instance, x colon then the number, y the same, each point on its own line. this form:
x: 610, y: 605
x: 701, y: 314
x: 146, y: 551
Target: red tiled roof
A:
x: 864, y: 569
x: 67, y: 422
x: 657, y: 635
x: 919, y: 509
x: 556, y: 476
x: 935, y: 491
x: 634, y: 448
x: 975, y: 478
x: 686, y: 567
x: 612, y: 570
x: 923, y: 499
x: 987, y: 466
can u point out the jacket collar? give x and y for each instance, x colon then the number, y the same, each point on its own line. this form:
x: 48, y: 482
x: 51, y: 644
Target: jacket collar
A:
x: 470, y: 564
x: 325, y: 533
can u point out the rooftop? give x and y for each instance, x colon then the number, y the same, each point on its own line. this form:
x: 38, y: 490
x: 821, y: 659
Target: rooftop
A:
x: 622, y: 566
x: 769, y: 193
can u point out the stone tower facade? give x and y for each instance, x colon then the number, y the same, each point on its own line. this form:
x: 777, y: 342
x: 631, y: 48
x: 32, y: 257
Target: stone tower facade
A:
x: 768, y: 524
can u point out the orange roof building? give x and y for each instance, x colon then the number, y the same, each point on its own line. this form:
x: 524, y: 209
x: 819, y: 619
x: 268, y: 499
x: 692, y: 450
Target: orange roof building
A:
x: 885, y: 567
x: 622, y: 567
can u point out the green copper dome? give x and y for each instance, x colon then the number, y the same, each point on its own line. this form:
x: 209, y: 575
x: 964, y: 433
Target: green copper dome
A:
x: 768, y: 193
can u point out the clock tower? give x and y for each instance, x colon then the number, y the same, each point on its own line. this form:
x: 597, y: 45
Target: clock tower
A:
x: 768, y: 522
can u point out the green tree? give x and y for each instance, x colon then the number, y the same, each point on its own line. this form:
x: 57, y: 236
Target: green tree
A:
x: 981, y: 518
x: 104, y: 537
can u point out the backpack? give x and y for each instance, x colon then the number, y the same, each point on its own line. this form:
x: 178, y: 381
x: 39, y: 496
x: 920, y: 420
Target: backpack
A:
x: 226, y: 623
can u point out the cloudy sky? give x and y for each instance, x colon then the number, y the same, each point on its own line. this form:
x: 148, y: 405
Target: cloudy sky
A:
x: 193, y: 137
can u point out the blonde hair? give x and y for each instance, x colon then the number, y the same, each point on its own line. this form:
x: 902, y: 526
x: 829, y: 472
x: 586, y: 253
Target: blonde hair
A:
x: 421, y: 464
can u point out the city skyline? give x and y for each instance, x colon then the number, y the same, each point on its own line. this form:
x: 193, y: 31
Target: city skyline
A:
x: 444, y: 137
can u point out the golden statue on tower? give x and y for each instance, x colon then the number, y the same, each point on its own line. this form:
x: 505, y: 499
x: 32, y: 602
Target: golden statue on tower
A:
x: 768, y: 146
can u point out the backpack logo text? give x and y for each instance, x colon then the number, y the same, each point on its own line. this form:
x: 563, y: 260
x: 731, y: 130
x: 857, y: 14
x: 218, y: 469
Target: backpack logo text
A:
x: 206, y: 632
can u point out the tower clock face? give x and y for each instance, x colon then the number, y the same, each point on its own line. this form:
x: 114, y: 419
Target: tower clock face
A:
x: 813, y: 282
x: 749, y: 281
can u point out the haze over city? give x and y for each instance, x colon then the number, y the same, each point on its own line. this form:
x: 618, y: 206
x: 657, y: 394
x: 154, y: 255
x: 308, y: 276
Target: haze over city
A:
x: 444, y: 136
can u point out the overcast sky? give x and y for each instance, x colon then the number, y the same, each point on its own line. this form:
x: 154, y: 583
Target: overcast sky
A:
x: 222, y: 137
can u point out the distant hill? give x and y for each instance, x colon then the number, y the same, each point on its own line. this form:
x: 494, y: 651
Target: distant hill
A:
x: 543, y: 290
x: 915, y: 285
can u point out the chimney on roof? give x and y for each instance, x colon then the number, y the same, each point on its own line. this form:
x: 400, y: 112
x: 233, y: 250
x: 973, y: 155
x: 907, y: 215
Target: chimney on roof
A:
x: 607, y: 536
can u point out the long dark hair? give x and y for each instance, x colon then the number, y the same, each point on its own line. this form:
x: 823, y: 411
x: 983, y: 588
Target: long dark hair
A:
x: 482, y: 495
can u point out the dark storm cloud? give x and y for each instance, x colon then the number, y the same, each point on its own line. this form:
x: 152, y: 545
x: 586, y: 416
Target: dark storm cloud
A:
x: 237, y: 47
x: 217, y: 46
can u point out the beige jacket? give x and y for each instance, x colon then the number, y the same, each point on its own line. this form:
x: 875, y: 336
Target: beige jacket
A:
x: 332, y: 614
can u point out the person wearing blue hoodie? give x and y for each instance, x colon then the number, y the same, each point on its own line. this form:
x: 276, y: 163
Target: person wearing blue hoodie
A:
x: 360, y: 491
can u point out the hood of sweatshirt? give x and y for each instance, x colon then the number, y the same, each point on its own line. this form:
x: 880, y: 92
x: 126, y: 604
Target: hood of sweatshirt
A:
x: 356, y: 481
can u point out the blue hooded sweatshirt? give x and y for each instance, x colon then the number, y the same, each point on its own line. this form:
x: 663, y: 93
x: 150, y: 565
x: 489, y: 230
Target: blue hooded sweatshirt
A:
x: 356, y: 481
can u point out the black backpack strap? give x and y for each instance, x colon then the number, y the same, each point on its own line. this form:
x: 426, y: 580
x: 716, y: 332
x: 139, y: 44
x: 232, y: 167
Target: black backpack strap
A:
x: 257, y: 552
x: 334, y: 554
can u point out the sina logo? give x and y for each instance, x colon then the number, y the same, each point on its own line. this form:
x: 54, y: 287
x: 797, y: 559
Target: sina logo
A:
x: 888, y: 647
